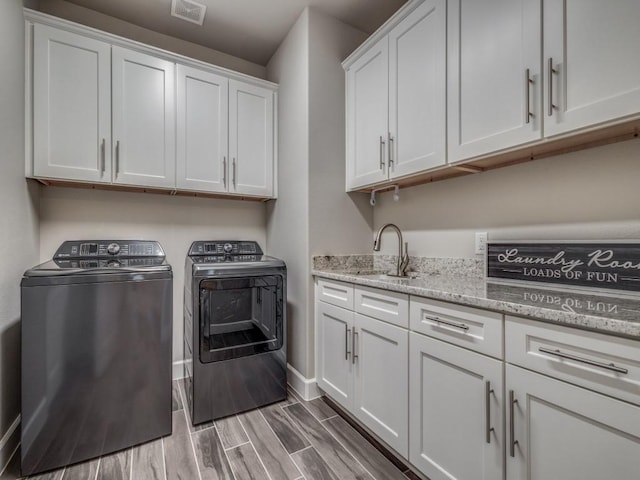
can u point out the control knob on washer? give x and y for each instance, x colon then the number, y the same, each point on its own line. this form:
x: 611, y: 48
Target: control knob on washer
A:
x: 113, y: 249
x: 228, y: 248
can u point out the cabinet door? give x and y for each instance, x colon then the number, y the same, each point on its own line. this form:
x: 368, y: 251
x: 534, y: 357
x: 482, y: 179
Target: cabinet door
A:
x: 143, y: 119
x: 71, y: 106
x: 455, y: 412
x: 381, y: 376
x: 567, y: 432
x: 251, y: 133
x: 334, y: 330
x: 492, y: 44
x: 417, y: 82
x: 592, y: 47
x: 368, y: 117
x: 201, y: 141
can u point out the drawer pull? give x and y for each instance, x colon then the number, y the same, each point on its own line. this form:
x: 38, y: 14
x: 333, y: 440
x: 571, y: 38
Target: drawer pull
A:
x: 461, y: 326
x: 606, y: 366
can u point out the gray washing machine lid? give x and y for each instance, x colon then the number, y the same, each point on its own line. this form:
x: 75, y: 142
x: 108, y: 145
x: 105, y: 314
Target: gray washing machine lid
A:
x: 102, y: 260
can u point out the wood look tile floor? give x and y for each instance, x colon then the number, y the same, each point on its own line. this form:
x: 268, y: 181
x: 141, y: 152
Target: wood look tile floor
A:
x: 290, y: 440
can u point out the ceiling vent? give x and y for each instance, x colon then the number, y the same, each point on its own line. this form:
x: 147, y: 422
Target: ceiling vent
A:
x: 188, y: 10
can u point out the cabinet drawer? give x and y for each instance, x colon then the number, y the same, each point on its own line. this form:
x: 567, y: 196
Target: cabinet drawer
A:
x: 603, y: 363
x: 391, y: 307
x: 335, y: 293
x: 472, y: 328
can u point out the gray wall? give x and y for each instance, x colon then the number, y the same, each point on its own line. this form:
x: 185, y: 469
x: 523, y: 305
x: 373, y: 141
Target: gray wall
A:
x: 174, y: 221
x: 18, y: 212
x: 590, y: 194
x: 313, y: 214
x: 288, y: 217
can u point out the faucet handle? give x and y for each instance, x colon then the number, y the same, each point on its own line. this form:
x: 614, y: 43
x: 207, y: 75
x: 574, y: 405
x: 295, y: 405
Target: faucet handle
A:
x: 404, y: 262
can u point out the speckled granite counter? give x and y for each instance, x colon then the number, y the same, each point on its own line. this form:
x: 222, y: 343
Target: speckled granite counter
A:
x: 614, y: 315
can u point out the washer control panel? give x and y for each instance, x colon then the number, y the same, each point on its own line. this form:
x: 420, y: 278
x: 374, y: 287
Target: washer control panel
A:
x: 109, y: 249
x: 225, y: 248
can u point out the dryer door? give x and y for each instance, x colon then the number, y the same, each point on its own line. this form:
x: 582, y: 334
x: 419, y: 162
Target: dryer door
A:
x: 240, y: 316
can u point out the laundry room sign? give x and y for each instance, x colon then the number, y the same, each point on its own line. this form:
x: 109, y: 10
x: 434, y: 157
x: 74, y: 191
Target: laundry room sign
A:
x: 598, y: 265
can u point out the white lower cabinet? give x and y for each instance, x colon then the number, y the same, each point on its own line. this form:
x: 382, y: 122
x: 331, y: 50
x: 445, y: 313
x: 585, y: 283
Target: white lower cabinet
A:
x: 455, y: 411
x: 334, y: 326
x: 561, y: 431
x: 361, y: 363
x: 566, y: 405
x: 380, y: 352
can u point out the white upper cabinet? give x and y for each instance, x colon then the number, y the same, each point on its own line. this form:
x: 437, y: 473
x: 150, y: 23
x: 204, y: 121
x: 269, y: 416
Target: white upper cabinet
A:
x: 143, y: 119
x: 417, y: 81
x: 103, y: 109
x: 517, y: 74
x: 494, y: 79
x: 71, y: 106
x: 591, y: 67
x: 396, y: 104
x: 251, y: 139
x: 202, y: 148
x: 367, y: 116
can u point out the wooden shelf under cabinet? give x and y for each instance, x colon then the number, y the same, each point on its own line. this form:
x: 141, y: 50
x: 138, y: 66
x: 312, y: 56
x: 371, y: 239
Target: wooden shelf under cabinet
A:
x: 596, y: 137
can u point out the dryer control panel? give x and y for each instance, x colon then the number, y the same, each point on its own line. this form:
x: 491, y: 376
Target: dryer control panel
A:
x: 223, y: 248
x: 108, y: 249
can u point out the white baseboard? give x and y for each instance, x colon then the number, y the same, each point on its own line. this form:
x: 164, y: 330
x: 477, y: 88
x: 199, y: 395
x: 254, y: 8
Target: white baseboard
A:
x: 178, y: 370
x: 9, y: 444
x: 307, y: 388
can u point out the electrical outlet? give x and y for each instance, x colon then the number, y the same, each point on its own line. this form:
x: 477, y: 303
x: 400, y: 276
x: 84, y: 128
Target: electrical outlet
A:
x: 481, y: 243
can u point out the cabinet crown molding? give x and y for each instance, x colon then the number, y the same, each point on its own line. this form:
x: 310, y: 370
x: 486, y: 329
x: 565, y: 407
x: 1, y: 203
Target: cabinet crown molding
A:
x: 33, y: 16
x: 384, y: 29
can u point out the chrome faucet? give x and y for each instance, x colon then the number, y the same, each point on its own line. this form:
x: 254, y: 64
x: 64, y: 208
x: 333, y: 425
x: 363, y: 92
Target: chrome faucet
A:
x: 403, y: 256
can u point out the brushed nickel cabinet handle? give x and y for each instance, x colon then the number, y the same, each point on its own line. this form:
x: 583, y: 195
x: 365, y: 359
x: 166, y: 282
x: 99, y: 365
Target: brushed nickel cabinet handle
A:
x: 461, y: 326
x: 381, y: 153
x: 234, y: 172
x: 224, y: 171
x: 607, y: 366
x: 487, y: 398
x: 102, y: 156
x: 347, y: 331
x: 512, y: 433
x: 528, y: 82
x: 354, y: 355
x: 117, y: 158
x: 391, y: 161
x: 550, y: 72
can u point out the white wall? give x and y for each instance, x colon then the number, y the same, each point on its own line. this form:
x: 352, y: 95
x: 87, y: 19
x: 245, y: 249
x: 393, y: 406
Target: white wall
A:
x: 288, y: 217
x: 313, y: 214
x: 18, y: 215
x: 91, y: 18
x: 174, y: 221
x: 590, y: 194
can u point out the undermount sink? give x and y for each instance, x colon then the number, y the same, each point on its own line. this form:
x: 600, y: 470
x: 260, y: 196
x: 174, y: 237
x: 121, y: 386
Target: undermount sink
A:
x: 387, y: 276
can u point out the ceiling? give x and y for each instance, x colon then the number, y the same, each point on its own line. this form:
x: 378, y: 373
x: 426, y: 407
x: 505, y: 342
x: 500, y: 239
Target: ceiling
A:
x: 248, y: 29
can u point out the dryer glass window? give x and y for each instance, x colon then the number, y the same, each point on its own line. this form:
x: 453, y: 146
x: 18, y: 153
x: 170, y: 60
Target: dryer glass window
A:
x: 240, y: 317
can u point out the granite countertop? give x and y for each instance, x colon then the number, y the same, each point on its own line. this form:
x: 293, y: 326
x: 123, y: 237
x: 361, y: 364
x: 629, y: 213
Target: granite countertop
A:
x: 605, y: 313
